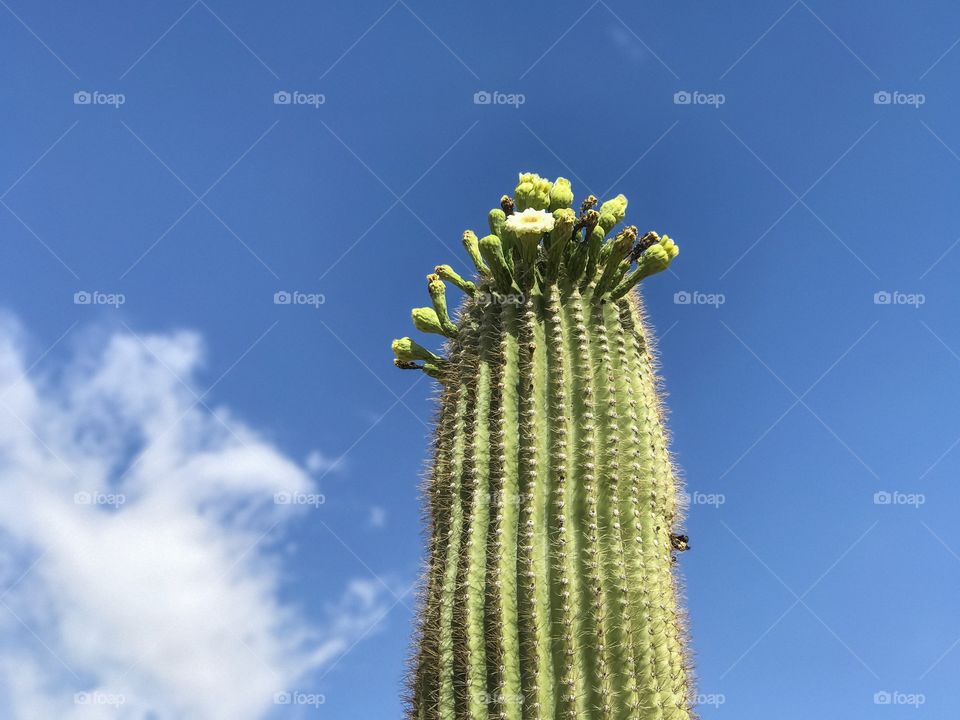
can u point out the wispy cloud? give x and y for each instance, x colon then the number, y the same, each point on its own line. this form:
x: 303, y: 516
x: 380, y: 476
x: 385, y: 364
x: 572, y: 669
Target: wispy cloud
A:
x: 138, y: 570
x: 378, y: 517
x: 625, y: 42
x: 319, y: 463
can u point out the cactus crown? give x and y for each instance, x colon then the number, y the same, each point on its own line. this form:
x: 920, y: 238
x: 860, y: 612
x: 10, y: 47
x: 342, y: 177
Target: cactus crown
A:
x: 553, y: 507
x: 536, y: 240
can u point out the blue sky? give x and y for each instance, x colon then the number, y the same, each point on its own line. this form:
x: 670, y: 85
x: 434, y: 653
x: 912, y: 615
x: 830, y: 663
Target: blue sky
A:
x: 810, y: 182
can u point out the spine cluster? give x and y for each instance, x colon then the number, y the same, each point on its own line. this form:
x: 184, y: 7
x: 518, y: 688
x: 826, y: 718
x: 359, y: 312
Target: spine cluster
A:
x: 553, y: 505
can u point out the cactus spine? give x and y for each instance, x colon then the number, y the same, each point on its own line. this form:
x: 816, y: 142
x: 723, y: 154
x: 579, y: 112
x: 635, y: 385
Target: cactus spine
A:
x: 553, y: 506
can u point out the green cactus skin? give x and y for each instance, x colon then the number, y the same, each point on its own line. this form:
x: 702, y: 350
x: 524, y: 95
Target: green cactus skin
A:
x: 553, y: 505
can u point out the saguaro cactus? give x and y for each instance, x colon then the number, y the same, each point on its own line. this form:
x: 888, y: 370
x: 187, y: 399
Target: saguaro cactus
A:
x: 553, y: 506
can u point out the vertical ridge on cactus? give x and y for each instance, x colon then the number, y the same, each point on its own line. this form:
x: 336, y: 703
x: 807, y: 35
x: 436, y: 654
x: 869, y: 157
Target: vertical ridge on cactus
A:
x: 552, y: 502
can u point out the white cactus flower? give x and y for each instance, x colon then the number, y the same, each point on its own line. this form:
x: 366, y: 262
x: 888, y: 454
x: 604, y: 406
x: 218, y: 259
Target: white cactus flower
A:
x: 530, y: 222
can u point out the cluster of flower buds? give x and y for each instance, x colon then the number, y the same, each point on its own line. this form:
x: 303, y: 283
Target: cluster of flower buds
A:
x: 538, y: 240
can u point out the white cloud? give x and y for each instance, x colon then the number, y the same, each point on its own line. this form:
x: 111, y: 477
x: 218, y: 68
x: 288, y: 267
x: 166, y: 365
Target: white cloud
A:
x: 158, y: 598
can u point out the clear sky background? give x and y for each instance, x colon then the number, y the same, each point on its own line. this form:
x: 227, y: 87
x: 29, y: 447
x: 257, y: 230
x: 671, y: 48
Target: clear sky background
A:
x: 812, y: 377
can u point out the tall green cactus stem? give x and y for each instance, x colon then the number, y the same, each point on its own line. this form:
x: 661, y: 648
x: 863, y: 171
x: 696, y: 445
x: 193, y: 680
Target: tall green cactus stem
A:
x: 552, y: 501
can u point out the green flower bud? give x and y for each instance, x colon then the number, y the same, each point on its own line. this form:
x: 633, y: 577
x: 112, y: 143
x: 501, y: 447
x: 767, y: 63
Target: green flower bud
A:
x: 616, y: 207
x: 607, y: 221
x: 671, y: 248
x: 564, y: 220
x: 438, y: 293
x: 615, y: 252
x: 561, y: 194
x: 425, y: 320
x: 491, y: 250
x: 558, y: 241
x: 495, y: 219
x: 655, y: 259
x: 532, y: 191
x: 448, y: 273
x: 408, y: 350
x: 470, y: 243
